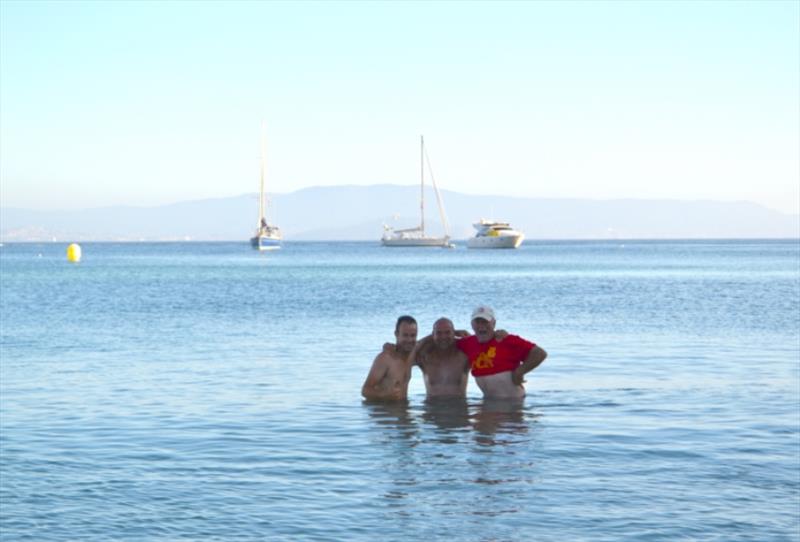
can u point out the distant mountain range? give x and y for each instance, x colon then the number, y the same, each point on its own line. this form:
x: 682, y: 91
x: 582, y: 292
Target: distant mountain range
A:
x: 352, y: 213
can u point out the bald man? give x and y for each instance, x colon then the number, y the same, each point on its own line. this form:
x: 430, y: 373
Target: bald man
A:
x: 444, y: 367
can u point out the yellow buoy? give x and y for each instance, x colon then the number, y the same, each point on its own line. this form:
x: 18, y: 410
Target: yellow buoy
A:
x: 74, y: 253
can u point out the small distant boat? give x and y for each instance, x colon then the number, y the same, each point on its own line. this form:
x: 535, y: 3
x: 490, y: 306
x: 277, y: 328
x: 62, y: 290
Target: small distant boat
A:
x: 493, y: 234
x: 415, y: 237
x: 267, y: 236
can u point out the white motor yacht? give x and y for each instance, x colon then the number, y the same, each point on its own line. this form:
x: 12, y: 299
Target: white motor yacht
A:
x: 493, y: 234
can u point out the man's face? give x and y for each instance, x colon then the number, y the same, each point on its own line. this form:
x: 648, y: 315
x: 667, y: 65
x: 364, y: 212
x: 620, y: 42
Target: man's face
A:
x: 406, y: 336
x: 484, y: 329
x: 443, y: 334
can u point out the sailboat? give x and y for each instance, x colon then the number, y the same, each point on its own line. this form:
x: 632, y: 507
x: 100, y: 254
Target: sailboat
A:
x: 415, y: 237
x: 267, y: 236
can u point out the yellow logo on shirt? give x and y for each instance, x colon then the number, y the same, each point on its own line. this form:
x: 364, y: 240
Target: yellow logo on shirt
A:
x: 486, y: 359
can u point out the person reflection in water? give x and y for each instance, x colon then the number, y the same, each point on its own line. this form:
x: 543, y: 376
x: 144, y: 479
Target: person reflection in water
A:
x: 449, y: 414
x: 499, y: 416
x: 499, y: 366
x: 444, y: 367
x: 388, y: 378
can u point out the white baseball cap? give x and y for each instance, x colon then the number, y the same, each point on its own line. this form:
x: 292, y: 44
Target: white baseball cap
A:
x: 483, y: 312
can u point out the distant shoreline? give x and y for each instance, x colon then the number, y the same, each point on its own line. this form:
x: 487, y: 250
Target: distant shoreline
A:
x: 362, y: 213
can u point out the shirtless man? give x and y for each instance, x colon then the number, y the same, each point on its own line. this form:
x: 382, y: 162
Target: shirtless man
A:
x: 388, y: 378
x: 498, y: 366
x: 444, y: 367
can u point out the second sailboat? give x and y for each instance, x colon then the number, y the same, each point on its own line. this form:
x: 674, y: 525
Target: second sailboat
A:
x: 415, y: 237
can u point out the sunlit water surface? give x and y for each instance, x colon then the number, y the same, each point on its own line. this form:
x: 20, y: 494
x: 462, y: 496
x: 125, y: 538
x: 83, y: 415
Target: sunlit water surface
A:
x: 187, y: 391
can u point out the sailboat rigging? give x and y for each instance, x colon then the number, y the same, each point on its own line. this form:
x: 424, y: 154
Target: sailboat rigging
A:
x: 267, y: 236
x: 415, y: 237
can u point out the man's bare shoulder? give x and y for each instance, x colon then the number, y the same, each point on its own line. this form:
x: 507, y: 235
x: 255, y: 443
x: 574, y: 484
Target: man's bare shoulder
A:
x: 389, y: 354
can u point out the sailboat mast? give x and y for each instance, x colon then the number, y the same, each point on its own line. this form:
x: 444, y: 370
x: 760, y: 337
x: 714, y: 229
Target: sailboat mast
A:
x: 422, y: 185
x: 261, y: 199
x: 439, y: 203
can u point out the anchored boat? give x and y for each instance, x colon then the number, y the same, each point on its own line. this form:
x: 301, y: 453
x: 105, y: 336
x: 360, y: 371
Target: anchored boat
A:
x: 493, y: 234
x: 267, y: 236
x: 415, y: 237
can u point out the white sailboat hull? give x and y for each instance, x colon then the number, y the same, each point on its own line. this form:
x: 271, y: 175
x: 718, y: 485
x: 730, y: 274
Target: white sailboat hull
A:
x: 266, y: 242
x: 417, y: 242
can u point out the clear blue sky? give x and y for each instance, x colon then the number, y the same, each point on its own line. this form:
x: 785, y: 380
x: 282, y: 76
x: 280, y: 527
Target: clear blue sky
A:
x: 145, y: 103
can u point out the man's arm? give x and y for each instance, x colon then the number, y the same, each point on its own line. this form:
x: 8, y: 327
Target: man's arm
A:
x: 534, y: 358
x: 420, y: 349
x: 372, y: 385
x: 465, y: 360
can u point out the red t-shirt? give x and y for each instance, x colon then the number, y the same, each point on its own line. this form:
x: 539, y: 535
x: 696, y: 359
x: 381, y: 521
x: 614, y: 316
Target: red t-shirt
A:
x: 495, y: 356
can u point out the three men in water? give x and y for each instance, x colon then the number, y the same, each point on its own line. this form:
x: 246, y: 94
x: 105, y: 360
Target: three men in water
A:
x: 499, y: 361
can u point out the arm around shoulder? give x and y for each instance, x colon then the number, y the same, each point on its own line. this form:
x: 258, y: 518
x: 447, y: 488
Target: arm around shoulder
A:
x: 422, y: 347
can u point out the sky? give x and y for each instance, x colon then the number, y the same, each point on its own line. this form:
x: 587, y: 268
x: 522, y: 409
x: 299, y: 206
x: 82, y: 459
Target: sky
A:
x: 149, y: 103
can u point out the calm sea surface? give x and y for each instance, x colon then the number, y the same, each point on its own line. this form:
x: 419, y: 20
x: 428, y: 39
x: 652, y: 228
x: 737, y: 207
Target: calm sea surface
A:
x: 193, y: 391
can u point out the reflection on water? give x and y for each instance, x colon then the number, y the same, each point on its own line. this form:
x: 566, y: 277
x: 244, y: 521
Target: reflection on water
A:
x: 492, y: 421
x: 438, y: 454
x: 499, y: 416
x: 392, y: 415
x: 447, y: 415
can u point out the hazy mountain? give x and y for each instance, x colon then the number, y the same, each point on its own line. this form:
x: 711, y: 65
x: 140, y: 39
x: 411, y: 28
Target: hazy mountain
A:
x: 358, y: 213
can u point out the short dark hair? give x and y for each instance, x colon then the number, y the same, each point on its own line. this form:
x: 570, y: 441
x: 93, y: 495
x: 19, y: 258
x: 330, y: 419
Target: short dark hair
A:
x: 405, y: 319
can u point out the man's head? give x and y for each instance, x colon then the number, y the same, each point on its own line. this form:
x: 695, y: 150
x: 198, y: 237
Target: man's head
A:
x: 483, y: 322
x: 444, y: 333
x: 405, y: 331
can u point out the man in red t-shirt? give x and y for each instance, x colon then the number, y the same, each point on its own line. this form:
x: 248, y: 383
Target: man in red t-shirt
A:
x: 498, y: 365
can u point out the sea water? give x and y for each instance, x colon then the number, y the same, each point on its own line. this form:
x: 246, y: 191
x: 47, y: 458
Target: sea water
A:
x: 204, y: 391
